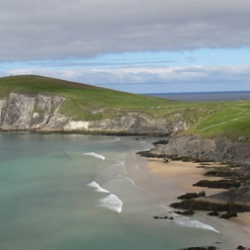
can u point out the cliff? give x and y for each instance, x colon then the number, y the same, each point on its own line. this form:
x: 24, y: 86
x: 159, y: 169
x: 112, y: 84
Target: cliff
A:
x: 23, y: 112
x: 40, y: 112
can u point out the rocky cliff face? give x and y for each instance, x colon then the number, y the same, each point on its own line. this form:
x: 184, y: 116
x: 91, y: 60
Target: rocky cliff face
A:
x: 42, y: 113
x: 216, y: 149
x: 22, y: 112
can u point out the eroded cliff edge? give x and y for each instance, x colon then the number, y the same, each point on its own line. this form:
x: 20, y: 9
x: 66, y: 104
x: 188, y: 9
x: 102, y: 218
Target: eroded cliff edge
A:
x: 42, y: 113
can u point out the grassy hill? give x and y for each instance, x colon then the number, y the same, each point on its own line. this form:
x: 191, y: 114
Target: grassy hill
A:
x: 85, y: 102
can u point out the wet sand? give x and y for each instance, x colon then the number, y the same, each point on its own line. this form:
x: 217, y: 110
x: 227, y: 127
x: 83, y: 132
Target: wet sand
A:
x: 182, y: 175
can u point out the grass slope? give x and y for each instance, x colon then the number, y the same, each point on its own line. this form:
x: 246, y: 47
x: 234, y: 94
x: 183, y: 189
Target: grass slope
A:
x: 86, y: 101
x: 231, y: 119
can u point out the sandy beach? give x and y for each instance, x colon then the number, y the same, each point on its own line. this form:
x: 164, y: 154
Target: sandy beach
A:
x: 182, y: 176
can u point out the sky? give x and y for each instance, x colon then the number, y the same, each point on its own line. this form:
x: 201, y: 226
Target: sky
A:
x: 138, y: 46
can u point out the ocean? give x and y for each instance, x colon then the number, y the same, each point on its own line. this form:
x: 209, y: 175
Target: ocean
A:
x: 206, y: 96
x: 75, y: 192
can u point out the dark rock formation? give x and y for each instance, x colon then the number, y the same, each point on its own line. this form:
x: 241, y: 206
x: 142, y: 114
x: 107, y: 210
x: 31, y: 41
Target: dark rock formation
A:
x: 199, y: 149
x: 221, y: 184
x: 222, y: 173
x: 162, y: 217
x: 189, y: 196
x: 186, y: 212
x: 213, y: 213
x: 200, y: 248
x: 241, y: 247
x: 161, y: 142
x: 211, y: 205
x: 150, y: 154
x: 228, y: 215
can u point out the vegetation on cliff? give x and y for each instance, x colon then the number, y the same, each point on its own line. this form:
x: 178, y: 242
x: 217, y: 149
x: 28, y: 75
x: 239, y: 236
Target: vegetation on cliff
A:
x: 85, y: 102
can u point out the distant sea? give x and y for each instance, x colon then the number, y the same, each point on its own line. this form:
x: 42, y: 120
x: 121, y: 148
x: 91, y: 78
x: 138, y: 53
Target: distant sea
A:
x: 205, y: 96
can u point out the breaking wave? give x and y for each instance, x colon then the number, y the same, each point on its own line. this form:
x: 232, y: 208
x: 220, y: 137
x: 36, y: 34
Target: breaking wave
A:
x: 111, y: 201
x: 97, y: 187
x: 95, y: 155
x: 186, y: 222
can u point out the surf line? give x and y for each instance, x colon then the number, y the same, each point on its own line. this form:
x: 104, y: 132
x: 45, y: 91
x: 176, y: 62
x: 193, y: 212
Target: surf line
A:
x: 97, y: 187
x: 95, y: 155
x: 111, y: 202
x: 185, y: 222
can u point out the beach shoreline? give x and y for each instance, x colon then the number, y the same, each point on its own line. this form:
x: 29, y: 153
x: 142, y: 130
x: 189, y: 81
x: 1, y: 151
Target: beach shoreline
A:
x: 182, y: 175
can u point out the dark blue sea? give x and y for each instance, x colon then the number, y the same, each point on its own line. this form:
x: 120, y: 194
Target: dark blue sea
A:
x: 205, y: 96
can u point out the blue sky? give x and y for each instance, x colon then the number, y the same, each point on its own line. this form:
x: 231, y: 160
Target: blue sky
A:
x: 135, y: 46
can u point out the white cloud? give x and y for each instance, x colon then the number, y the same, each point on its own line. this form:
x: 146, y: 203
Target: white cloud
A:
x: 81, y: 28
x: 168, y: 79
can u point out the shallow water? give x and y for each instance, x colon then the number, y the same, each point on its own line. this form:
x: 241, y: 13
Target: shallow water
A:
x: 87, y: 192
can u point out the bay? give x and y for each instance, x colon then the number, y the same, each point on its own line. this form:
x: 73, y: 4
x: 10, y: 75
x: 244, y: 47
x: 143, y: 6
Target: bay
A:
x: 87, y: 192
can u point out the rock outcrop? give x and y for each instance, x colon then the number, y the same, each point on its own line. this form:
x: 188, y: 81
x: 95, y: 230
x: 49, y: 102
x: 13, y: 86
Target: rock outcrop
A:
x: 23, y: 112
x: 216, y: 149
x: 42, y: 113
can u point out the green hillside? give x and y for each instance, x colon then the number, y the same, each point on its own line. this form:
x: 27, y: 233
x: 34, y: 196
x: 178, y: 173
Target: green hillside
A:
x: 231, y: 119
x: 86, y: 102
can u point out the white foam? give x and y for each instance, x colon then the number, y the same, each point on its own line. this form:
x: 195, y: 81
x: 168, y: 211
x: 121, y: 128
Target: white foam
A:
x: 112, y: 202
x: 186, y: 222
x: 95, y: 155
x: 97, y: 187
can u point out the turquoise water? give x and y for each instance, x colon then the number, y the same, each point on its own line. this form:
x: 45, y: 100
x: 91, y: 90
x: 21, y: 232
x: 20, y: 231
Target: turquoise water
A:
x: 73, y: 192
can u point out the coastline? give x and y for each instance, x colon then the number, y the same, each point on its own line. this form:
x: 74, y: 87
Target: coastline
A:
x: 176, y: 170
x: 182, y: 175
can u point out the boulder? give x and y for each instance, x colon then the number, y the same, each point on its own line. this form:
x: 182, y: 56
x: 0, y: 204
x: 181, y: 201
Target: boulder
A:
x: 241, y: 247
x: 228, y: 215
x: 186, y: 212
x: 200, y: 248
x: 189, y: 196
x: 213, y: 213
x: 221, y: 184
